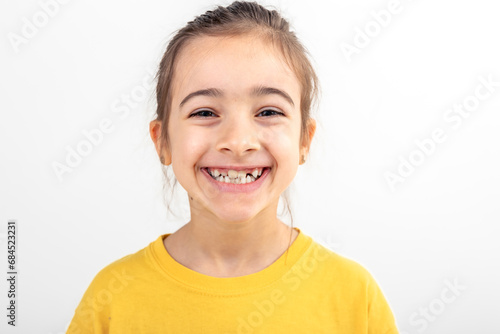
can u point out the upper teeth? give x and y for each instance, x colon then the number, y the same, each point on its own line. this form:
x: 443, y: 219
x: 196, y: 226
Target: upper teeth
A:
x: 233, y: 174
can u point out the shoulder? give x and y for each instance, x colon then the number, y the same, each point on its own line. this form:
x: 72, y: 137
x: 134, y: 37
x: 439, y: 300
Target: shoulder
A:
x: 112, y: 284
x: 337, y: 265
x: 119, y: 271
x: 349, y: 281
x: 340, y: 275
x: 119, y: 274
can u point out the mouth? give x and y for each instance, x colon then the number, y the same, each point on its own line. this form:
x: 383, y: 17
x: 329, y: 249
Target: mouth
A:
x: 236, y: 176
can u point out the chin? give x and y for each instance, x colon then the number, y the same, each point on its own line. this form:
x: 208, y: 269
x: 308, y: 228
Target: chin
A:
x: 235, y: 216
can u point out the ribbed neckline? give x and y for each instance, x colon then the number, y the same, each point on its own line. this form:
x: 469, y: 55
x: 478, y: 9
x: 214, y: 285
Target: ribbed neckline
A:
x: 227, y: 285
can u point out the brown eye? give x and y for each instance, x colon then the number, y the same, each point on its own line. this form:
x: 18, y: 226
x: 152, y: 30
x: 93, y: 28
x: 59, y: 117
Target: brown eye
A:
x: 202, y: 114
x: 271, y: 112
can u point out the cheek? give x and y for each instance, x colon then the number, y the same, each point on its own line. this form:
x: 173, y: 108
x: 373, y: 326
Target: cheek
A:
x: 282, y: 142
x: 188, y: 145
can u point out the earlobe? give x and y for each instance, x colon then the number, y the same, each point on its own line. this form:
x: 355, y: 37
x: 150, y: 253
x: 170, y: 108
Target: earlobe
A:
x: 155, y: 133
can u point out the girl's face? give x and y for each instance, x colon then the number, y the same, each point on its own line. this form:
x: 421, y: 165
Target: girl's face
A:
x: 235, y: 106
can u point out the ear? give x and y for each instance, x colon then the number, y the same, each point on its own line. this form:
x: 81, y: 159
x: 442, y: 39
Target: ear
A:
x: 155, y: 128
x: 306, y: 144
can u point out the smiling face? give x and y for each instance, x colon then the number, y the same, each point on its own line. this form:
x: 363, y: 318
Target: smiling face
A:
x: 235, y: 106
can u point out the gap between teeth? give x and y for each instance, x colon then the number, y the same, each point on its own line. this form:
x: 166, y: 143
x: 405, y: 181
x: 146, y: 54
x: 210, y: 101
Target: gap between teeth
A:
x: 238, y: 180
x: 236, y: 177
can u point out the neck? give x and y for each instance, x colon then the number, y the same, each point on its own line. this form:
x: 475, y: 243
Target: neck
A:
x: 225, y: 249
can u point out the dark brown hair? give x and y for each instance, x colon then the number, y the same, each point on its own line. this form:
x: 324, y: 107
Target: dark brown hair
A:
x: 239, y: 18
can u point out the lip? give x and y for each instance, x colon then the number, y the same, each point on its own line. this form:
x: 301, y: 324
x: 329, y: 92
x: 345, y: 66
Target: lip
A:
x: 237, y: 188
x: 236, y: 168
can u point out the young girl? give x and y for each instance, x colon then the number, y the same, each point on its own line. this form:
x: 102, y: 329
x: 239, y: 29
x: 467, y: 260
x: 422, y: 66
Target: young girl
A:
x: 234, y: 92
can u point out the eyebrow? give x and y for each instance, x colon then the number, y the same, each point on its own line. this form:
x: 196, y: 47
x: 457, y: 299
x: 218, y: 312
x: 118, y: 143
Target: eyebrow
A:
x: 257, y: 91
x: 263, y: 90
x: 213, y: 92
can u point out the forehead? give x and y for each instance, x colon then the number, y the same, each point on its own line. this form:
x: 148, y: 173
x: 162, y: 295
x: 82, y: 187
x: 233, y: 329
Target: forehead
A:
x: 234, y: 64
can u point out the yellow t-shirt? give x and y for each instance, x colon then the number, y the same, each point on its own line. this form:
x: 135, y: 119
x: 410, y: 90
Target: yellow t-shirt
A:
x: 309, y: 290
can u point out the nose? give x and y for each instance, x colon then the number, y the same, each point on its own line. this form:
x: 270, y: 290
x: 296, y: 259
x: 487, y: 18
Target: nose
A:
x: 238, y: 135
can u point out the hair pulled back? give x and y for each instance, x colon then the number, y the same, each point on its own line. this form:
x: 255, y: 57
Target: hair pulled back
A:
x: 240, y: 17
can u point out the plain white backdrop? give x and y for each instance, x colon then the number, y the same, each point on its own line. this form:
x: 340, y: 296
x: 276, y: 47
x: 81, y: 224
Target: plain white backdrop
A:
x: 402, y: 175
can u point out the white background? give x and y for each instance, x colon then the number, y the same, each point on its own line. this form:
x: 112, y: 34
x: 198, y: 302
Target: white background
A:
x: 440, y: 225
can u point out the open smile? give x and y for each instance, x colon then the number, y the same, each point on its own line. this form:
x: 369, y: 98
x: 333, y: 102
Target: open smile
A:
x: 231, y: 180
